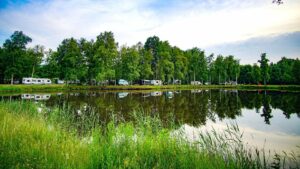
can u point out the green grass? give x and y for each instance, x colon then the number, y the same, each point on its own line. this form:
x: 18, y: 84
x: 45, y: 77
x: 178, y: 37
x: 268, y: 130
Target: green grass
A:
x: 38, y: 138
x: 56, y: 87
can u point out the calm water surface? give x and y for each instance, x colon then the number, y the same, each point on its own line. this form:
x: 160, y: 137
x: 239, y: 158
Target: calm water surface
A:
x: 269, y: 120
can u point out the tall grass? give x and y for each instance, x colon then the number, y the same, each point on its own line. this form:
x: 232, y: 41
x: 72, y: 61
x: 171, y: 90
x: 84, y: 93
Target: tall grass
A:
x: 34, y: 137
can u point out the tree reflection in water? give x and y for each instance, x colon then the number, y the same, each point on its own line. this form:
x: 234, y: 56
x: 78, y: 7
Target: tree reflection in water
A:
x: 191, y: 107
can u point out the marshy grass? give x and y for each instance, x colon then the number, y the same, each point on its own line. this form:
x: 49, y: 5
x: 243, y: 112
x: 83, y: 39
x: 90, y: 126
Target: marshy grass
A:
x: 33, y: 137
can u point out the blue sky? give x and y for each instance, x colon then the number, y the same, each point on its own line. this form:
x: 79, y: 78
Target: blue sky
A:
x: 241, y: 28
x: 6, y: 3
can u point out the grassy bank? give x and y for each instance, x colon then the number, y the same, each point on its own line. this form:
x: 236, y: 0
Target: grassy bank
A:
x: 33, y: 137
x: 55, y: 87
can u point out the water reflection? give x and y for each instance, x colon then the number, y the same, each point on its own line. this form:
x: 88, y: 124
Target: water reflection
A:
x: 122, y: 95
x: 36, y: 97
x: 193, y: 107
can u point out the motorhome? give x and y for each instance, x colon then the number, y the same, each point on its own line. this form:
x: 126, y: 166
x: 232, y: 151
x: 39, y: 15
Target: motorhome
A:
x: 145, y: 82
x: 156, y: 82
x: 123, y: 82
x: 30, y: 80
x: 151, y: 82
x: 177, y: 82
x: 196, y: 83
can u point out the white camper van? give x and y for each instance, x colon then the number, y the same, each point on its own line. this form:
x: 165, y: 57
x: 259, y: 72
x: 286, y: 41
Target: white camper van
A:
x: 196, y: 83
x: 29, y: 80
x: 156, y: 82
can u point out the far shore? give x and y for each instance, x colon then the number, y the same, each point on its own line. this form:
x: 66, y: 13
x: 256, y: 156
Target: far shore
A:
x: 62, y: 87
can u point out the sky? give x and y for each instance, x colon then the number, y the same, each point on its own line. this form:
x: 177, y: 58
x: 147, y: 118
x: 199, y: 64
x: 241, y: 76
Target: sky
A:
x: 243, y: 28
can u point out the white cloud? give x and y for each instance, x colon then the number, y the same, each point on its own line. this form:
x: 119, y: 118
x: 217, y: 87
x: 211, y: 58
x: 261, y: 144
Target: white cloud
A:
x: 184, y: 23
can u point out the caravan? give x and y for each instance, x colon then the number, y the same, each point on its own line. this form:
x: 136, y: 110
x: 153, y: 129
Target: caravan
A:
x: 156, y: 82
x: 29, y: 80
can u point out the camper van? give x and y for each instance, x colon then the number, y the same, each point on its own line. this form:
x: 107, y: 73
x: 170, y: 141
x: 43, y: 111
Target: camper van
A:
x: 29, y: 80
x: 145, y: 82
x: 196, y: 83
x: 123, y: 82
x: 156, y: 82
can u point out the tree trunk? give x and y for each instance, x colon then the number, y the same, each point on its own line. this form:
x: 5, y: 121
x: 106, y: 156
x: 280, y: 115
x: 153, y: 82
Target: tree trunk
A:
x: 12, y: 79
x: 32, y: 71
x: 194, y: 77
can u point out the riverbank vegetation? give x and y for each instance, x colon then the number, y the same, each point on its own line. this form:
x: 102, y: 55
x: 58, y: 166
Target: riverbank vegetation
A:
x: 34, y: 137
x: 102, y: 59
x: 62, y: 87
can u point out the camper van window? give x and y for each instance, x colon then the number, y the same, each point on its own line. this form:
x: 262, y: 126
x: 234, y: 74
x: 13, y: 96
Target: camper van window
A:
x: 28, y: 80
x: 48, y: 80
x: 39, y: 80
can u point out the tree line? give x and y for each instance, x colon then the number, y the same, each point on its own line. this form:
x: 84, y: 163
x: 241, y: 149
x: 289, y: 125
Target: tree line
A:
x: 102, y: 59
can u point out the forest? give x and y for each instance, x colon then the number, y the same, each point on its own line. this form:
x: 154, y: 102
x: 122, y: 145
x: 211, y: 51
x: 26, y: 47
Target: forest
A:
x: 102, y: 59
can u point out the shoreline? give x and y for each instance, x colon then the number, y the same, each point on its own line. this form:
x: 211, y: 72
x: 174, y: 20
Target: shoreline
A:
x: 56, y: 87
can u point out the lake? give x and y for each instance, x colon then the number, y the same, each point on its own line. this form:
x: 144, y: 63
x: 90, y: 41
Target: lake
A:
x: 269, y: 120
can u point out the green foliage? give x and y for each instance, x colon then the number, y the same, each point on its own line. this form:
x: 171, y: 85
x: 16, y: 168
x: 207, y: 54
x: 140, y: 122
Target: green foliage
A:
x: 165, y: 66
x: 225, y: 69
x: 282, y: 71
x: 2, y: 65
x: 180, y: 63
x: 87, y: 52
x: 14, y: 55
x: 145, y: 64
x: 104, y: 57
x: 130, y: 63
x: 233, y: 69
x: 256, y: 74
x: 197, y: 68
x: 70, y: 60
x: 99, y: 61
x: 52, y: 68
x: 264, y: 66
x: 246, y: 74
x: 152, y: 46
x: 296, y: 70
x: 218, y: 69
x: 34, y: 58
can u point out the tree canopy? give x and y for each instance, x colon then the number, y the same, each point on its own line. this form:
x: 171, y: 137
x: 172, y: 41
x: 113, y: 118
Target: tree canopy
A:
x: 102, y: 60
